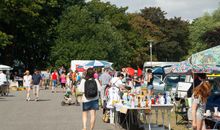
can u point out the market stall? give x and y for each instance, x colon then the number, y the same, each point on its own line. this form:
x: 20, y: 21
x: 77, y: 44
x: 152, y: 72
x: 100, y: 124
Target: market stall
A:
x: 207, y: 62
x: 136, y: 108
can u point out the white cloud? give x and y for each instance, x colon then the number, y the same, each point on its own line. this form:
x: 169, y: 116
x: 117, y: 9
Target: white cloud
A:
x: 187, y: 9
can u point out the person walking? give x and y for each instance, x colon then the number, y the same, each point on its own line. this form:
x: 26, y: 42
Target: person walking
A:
x: 74, y: 86
x: 90, y: 88
x: 27, y: 79
x: 47, y: 79
x: 63, y: 81
x: 36, y: 81
x: 69, y: 79
x: 104, y: 81
x: 54, y: 77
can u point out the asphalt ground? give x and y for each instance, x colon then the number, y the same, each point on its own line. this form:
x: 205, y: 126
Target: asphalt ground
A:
x: 46, y: 114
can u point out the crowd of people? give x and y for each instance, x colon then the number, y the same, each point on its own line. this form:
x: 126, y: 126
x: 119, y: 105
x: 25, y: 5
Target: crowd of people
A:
x: 50, y: 80
x: 95, y: 84
x: 72, y: 81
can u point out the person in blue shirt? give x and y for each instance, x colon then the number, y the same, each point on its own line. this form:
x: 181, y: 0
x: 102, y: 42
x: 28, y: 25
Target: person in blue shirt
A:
x: 36, y: 81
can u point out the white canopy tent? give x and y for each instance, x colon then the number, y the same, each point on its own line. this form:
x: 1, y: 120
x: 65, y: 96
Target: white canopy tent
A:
x: 5, y: 67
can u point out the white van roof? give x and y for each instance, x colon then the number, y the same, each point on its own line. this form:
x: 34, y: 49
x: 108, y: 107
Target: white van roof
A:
x: 154, y: 64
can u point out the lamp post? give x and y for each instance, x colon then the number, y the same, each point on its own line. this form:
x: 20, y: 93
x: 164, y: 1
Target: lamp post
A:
x: 151, y: 53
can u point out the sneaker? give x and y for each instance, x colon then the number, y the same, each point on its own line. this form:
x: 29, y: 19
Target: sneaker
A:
x: 36, y: 99
x: 28, y: 99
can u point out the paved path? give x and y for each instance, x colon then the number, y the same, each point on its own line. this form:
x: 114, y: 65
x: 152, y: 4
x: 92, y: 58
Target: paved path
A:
x: 46, y: 114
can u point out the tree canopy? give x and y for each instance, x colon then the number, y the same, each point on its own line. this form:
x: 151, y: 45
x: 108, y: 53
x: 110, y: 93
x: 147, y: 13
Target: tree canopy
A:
x: 204, y: 32
x: 38, y: 34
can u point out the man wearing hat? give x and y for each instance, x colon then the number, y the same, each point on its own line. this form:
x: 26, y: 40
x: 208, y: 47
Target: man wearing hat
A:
x: 27, y: 79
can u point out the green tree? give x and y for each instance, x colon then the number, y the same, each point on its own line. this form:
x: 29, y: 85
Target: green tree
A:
x: 140, y: 32
x: 204, y: 32
x: 171, y: 36
x: 174, y: 46
x: 87, y: 33
x: 5, y: 39
x: 154, y: 14
x: 31, y: 25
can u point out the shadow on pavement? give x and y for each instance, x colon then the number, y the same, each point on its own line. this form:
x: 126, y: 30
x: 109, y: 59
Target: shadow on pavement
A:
x: 8, y: 96
x: 42, y: 100
x: 3, y: 100
x: 61, y: 91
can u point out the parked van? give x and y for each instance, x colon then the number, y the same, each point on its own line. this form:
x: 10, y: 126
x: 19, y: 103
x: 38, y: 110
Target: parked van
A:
x: 160, y: 69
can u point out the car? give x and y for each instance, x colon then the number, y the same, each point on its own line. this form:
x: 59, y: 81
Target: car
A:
x: 168, y: 84
x: 214, y: 99
x: 171, y: 81
x: 158, y: 85
x: 161, y: 71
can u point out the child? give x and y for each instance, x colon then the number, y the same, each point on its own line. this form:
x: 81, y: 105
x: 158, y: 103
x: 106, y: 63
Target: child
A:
x: 67, y: 97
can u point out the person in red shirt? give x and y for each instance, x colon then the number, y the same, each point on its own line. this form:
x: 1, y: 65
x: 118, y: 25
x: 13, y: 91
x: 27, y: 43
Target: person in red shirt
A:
x: 54, y: 77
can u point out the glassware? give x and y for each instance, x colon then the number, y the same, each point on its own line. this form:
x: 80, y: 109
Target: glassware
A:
x: 216, y: 110
x: 168, y: 99
x: 132, y: 102
x: 143, y: 103
x: 161, y: 100
x: 152, y: 101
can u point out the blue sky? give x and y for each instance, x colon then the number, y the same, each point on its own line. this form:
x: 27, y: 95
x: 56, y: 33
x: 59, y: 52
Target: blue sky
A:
x: 187, y: 9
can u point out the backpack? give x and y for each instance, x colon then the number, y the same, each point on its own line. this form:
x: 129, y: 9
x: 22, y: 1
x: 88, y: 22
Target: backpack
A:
x: 91, y: 89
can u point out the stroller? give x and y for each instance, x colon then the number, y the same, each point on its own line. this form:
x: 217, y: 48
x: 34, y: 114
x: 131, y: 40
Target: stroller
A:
x: 4, y: 89
x: 67, y: 98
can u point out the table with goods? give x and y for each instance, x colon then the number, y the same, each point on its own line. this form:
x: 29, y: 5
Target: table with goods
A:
x: 212, y: 118
x: 137, y: 107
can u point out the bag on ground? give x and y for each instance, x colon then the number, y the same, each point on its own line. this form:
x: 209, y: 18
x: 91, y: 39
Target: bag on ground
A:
x: 106, y: 116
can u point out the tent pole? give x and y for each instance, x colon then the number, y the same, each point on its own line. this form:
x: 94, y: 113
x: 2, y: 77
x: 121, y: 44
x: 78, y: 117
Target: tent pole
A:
x: 193, y: 80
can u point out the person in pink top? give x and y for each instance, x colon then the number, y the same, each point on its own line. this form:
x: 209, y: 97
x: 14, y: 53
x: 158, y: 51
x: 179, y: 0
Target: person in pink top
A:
x: 96, y: 75
x: 63, y: 80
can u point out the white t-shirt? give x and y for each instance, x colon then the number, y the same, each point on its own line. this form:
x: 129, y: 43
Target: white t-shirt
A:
x: 116, y: 81
x: 2, y: 78
x: 27, y: 80
x: 47, y: 75
x: 113, y: 95
x: 81, y: 89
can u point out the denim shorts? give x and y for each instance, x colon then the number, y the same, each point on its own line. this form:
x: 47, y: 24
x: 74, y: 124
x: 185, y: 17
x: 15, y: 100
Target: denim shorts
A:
x: 91, y: 105
x: 150, y: 87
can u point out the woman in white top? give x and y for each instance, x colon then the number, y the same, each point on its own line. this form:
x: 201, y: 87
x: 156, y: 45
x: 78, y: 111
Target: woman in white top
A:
x: 27, y: 79
x: 90, y: 88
